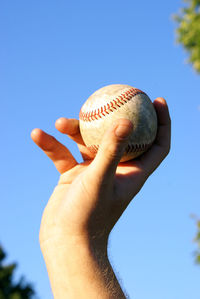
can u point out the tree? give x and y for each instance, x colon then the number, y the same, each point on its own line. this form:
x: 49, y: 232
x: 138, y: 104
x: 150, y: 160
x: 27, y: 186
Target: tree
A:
x: 197, y: 240
x: 9, y: 289
x: 188, y: 34
x: 188, y: 31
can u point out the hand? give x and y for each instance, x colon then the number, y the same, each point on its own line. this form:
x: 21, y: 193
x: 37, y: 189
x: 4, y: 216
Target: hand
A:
x: 87, y: 202
x: 91, y: 196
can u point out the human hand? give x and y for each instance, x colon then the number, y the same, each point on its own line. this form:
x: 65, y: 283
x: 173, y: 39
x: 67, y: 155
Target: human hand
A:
x: 91, y: 196
x: 87, y: 202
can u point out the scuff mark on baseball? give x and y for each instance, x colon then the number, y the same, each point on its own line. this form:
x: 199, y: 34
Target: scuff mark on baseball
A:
x: 113, y: 102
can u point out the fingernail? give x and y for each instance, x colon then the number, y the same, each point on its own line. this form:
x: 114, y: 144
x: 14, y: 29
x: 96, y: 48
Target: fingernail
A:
x: 123, y: 131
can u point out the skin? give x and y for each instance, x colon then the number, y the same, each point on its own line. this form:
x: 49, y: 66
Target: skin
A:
x: 87, y: 202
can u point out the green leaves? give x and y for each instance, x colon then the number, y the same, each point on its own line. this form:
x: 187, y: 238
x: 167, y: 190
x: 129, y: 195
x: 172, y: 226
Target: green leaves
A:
x: 188, y: 31
x: 9, y: 289
x: 197, y: 240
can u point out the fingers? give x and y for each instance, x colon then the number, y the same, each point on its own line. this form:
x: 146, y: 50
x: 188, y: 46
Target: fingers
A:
x: 160, y: 148
x: 112, y: 149
x: 57, y: 152
x: 71, y: 128
x: 163, y: 137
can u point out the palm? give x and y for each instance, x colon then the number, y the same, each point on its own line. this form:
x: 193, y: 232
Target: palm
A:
x: 63, y: 208
x: 128, y: 173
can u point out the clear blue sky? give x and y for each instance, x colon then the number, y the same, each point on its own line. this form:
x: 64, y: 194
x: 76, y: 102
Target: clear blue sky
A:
x: 53, y: 55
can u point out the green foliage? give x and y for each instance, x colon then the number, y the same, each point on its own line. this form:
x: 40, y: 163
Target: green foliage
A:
x: 9, y: 289
x: 188, y: 31
x: 197, y: 240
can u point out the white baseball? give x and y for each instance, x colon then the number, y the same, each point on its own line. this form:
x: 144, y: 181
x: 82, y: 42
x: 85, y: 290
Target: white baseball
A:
x: 113, y: 102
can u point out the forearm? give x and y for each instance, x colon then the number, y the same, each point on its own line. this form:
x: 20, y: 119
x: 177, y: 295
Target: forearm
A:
x: 80, y: 269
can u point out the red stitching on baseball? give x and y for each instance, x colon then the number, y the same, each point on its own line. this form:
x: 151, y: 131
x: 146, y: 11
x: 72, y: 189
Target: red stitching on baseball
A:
x: 130, y: 148
x: 117, y: 102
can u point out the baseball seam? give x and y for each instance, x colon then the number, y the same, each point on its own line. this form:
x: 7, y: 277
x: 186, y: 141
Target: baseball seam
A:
x: 110, y: 107
x: 130, y: 148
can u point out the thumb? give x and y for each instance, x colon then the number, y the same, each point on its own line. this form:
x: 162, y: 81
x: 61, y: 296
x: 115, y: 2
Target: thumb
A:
x: 112, y: 148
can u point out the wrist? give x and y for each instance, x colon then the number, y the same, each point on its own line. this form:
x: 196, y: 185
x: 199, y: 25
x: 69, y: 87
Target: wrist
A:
x: 72, y: 243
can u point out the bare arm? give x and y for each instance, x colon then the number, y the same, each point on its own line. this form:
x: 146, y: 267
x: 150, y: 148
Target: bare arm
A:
x: 77, y: 270
x: 87, y: 202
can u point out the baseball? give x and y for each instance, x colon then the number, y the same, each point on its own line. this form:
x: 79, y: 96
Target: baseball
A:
x: 113, y: 102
